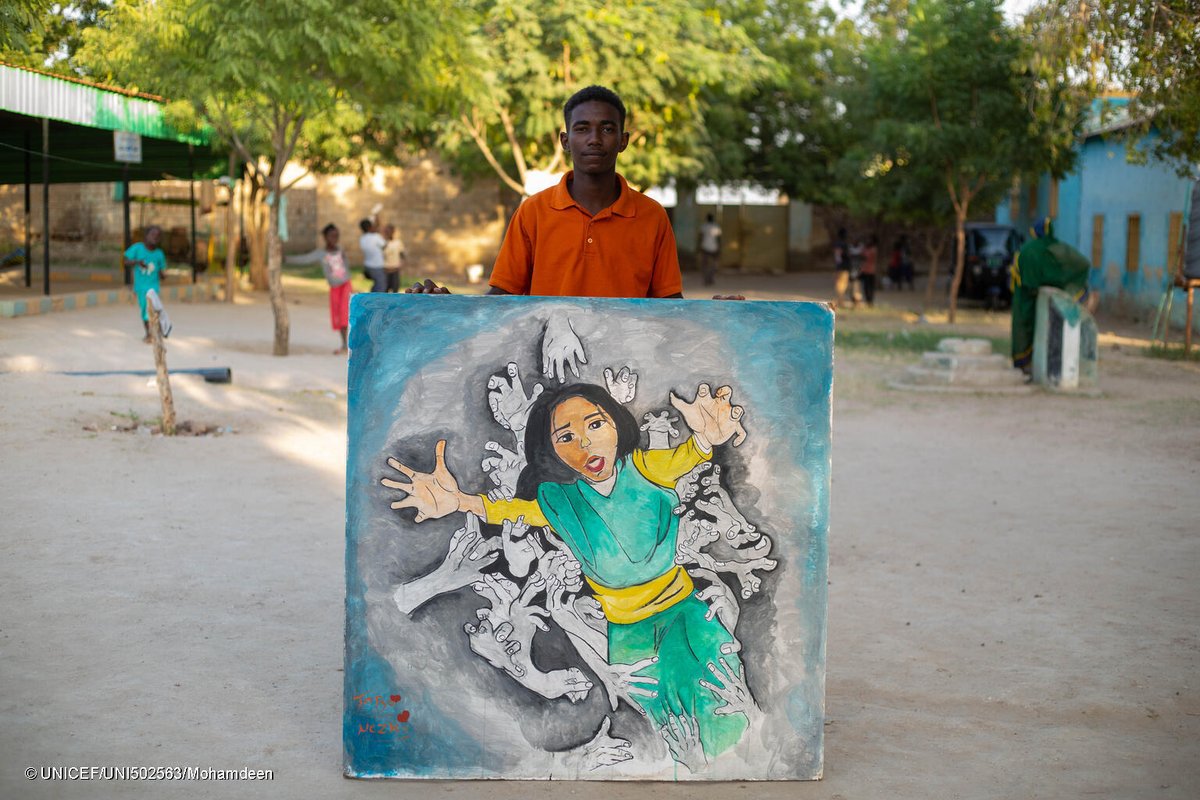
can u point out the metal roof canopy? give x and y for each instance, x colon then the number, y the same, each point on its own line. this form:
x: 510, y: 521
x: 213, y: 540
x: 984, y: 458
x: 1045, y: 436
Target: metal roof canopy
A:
x: 67, y: 125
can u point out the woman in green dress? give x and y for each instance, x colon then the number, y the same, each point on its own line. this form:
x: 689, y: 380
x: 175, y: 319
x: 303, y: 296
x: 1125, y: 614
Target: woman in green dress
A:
x: 612, y: 504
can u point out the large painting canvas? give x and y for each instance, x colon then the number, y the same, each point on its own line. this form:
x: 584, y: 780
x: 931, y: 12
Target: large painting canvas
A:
x: 586, y: 539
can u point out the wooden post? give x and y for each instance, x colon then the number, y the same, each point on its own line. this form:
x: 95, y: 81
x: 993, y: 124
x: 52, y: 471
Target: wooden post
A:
x: 231, y: 244
x: 28, y: 211
x: 192, y: 205
x: 160, y: 365
x: 128, y: 235
x: 46, y: 206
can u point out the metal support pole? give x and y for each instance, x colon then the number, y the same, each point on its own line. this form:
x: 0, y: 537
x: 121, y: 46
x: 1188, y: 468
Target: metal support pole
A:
x: 45, y: 205
x: 125, y: 212
x: 28, y: 210
x: 192, y: 195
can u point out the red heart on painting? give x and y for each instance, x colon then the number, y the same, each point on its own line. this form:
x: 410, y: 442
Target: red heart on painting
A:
x: 402, y: 716
x: 395, y: 698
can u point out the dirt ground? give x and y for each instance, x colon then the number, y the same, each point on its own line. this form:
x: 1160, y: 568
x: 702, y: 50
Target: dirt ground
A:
x: 1014, y: 599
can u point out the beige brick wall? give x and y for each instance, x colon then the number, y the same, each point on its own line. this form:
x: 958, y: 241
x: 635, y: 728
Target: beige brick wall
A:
x: 445, y: 225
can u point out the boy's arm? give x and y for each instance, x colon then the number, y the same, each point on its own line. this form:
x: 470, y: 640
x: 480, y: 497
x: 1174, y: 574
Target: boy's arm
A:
x: 513, y: 272
x: 666, y: 279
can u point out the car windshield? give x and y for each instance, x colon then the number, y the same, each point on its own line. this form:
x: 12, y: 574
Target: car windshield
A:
x: 991, y: 241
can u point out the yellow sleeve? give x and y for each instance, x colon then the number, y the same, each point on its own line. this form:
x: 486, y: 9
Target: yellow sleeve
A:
x: 495, y: 512
x: 664, y: 467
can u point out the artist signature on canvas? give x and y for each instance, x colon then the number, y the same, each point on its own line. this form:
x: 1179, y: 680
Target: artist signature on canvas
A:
x: 384, y: 705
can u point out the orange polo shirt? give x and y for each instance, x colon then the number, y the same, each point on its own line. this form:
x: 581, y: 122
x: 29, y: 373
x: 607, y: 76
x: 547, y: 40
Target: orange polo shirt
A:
x: 553, y: 247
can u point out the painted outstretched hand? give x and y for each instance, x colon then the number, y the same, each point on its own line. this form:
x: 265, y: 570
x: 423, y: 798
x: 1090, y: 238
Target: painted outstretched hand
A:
x: 602, y: 751
x: 509, y: 403
x: 503, y: 467
x: 622, y: 386
x: 433, y: 494
x: 730, y: 688
x: 750, y: 559
x: 470, y: 552
x: 660, y: 428
x: 712, y: 417
x: 682, y: 735
x: 504, y: 637
x: 561, y: 348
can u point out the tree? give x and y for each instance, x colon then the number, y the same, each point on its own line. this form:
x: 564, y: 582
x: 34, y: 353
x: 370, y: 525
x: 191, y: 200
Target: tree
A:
x: 954, y: 96
x: 533, y: 54
x: 1150, y: 48
x: 18, y: 19
x: 791, y: 130
x: 262, y: 74
x: 53, y: 38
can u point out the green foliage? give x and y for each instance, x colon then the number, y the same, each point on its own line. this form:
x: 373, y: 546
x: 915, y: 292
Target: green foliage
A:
x: 20, y: 23
x: 792, y: 127
x: 1149, y: 48
x: 54, y: 34
x: 278, y: 80
x: 954, y: 98
x: 531, y: 55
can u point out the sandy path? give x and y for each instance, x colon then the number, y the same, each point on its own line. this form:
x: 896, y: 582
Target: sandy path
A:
x: 1014, y: 600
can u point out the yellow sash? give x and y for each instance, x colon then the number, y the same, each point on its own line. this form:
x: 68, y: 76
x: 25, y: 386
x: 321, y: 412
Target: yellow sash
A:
x: 636, y: 603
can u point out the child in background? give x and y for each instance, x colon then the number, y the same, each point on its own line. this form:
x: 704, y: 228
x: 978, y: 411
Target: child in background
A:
x: 333, y: 264
x: 372, y: 243
x: 393, y: 257
x: 148, y: 261
x: 869, y: 259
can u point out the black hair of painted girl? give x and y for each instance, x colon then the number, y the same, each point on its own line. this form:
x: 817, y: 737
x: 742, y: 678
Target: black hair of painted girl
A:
x: 543, y: 464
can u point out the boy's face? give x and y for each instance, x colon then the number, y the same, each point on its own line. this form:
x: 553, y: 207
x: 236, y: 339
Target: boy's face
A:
x: 594, y: 137
x: 331, y: 238
x: 153, y: 236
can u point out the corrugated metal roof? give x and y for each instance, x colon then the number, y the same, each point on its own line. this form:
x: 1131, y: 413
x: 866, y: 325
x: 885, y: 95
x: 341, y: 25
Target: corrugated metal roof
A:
x: 38, y: 94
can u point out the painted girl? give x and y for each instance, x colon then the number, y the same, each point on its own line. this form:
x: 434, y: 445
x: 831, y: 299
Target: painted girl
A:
x: 612, y: 504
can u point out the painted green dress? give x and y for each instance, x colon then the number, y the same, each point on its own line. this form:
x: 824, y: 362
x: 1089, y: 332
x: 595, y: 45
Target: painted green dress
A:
x: 628, y: 539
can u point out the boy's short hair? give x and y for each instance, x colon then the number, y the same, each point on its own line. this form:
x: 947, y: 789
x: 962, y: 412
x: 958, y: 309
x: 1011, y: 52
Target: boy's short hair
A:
x: 330, y: 227
x: 589, y: 93
x: 365, y: 225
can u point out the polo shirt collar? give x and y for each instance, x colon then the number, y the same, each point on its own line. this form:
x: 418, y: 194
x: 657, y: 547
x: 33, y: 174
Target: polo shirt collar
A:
x: 625, y: 206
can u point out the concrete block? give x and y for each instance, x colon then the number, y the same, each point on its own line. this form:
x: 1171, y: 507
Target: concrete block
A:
x: 966, y: 347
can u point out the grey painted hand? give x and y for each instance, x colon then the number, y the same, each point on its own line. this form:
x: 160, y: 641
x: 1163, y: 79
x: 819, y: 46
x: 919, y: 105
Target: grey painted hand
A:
x: 503, y: 468
x: 520, y: 548
x: 744, y: 571
x: 712, y: 417
x: 623, y: 386
x: 730, y: 688
x: 682, y: 735
x: 561, y: 348
x: 509, y: 402
x: 660, y: 428
x: 602, y: 751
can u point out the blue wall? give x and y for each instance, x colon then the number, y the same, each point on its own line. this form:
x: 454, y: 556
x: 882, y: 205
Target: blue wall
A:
x: 1106, y: 183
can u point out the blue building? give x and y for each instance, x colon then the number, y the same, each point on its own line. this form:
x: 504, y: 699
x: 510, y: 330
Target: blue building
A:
x: 1128, y: 218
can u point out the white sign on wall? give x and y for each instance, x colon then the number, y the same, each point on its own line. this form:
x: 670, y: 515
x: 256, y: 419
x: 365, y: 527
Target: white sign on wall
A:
x: 127, y: 147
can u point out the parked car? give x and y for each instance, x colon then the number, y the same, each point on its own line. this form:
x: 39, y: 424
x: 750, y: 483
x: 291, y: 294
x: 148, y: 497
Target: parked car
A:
x: 987, y: 267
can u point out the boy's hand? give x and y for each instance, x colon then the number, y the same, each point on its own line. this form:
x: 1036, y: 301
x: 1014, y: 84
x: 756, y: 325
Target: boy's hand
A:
x: 426, y: 287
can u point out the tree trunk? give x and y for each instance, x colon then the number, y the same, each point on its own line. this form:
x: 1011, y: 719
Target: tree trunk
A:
x: 935, y: 261
x: 960, y: 246
x: 161, y: 376
x: 258, y: 235
x: 232, y: 245
x: 275, y: 279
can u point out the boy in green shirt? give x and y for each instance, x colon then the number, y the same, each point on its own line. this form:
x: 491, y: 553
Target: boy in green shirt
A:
x: 148, y: 262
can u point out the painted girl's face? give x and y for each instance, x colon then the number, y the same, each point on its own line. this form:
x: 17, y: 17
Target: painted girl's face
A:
x: 585, y: 438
